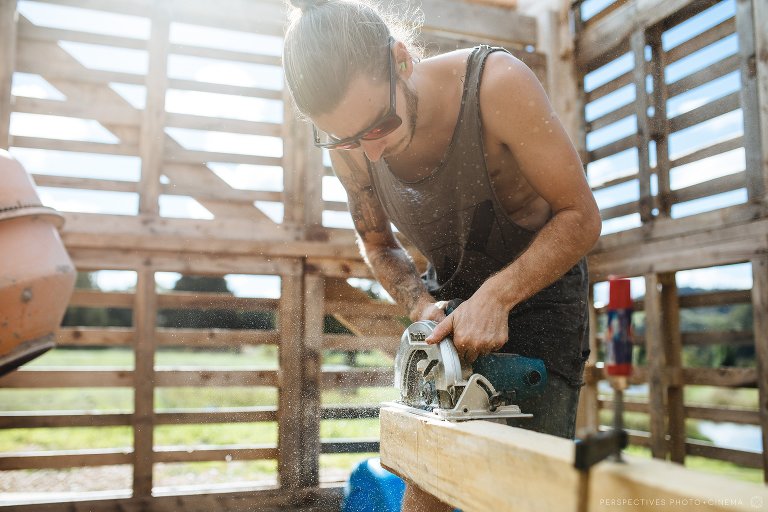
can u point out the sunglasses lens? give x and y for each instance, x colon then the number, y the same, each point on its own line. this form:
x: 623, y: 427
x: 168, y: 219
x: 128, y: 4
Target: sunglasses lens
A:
x: 384, y: 128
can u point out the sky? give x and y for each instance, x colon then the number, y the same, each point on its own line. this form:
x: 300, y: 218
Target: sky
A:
x: 269, y: 178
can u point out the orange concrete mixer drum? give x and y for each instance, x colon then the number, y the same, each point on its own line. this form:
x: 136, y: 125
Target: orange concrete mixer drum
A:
x: 37, y: 276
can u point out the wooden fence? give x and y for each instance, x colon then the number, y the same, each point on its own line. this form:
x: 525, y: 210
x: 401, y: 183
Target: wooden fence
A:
x: 651, y: 128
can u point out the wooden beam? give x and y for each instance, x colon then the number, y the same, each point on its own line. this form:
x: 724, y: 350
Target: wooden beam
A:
x: 759, y: 15
x: 314, y: 322
x: 760, y: 322
x: 143, y: 421
x: 673, y: 347
x: 654, y: 336
x: 8, y: 22
x: 468, y: 464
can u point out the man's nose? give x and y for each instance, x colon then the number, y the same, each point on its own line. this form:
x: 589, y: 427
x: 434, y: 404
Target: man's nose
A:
x: 373, y: 149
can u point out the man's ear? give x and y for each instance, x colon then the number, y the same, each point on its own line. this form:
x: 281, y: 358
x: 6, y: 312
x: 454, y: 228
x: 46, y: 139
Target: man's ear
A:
x: 403, y: 60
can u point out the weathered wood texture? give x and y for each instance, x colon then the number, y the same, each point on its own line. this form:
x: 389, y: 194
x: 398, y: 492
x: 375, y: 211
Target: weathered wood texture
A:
x: 466, y: 464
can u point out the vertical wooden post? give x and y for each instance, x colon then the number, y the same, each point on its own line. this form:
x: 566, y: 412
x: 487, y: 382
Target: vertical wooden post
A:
x: 638, y: 43
x: 587, y: 418
x: 313, y: 183
x: 673, y: 347
x: 660, y: 131
x: 152, y: 138
x: 760, y: 329
x: 749, y: 31
x: 759, y: 15
x: 144, y: 322
x: 654, y: 345
x: 8, y: 21
x: 314, y: 302
x: 295, y: 162
x: 289, y: 413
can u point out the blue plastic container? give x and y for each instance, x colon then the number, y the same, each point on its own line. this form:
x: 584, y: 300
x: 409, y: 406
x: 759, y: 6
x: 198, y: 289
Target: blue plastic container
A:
x: 371, y: 488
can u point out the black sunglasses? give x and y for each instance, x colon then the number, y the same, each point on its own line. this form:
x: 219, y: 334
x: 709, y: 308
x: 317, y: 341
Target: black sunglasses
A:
x: 379, y: 129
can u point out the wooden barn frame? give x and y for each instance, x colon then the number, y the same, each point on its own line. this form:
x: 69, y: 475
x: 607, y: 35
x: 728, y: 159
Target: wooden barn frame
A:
x: 313, y: 261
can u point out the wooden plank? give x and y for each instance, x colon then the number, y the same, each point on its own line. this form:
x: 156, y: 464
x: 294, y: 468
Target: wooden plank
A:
x: 706, y: 112
x: 658, y: 122
x: 295, y: 162
x: 760, y: 328
x: 58, y: 378
x: 339, y: 412
x: 716, y: 148
x: 8, y: 28
x: 618, y: 146
x: 133, y: 8
x: 219, y: 124
x: 356, y: 378
x: 216, y: 378
x: 221, y: 54
x: 654, y: 335
x: 216, y: 88
x: 608, y: 38
x: 291, y: 327
x: 98, y: 111
x: 759, y: 15
x: 750, y: 101
x: 164, y: 454
x: 350, y: 446
x: 709, y: 73
x: 94, y: 336
x: 65, y: 459
x: 612, y: 117
x: 478, y: 20
x: 479, y: 461
x: 644, y: 128
x: 152, y: 142
x: 724, y: 377
x: 717, y: 414
x: 536, y: 470
x: 620, y: 210
x: 673, y: 347
x: 696, y: 43
x: 215, y: 301
x: 76, y: 146
x: 56, y: 419
x: 708, y: 188
x: 178, y: 155
x: 216, y: 337
x: 314, y: 322
x: 609, y: 87
x: 29, y: 31
x: 143, y: 421
x: 44, y: 180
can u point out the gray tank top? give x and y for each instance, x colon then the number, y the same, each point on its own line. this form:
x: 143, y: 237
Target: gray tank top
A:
x: 453, y: 215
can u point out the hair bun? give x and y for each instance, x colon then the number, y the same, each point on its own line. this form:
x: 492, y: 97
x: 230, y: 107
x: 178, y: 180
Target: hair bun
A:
x: 305, y: 5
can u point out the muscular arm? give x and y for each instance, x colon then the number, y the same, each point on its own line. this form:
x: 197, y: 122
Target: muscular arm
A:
x: 390, y: 263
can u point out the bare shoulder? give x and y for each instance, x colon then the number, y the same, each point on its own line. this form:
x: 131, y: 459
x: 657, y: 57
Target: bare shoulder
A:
x: 510, y: 93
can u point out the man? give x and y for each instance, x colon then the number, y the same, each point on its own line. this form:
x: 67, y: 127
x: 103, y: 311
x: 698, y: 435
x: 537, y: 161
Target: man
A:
x: 463, y: 153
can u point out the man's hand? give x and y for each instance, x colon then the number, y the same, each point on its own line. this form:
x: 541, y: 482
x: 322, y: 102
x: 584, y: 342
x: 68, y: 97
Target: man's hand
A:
x: 479, y: 326
x: 427, y: 310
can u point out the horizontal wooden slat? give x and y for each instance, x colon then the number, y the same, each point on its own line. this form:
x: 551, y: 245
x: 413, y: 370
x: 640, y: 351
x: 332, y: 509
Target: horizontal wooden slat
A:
x: 67, y: 71
x: 54, y: 419
x: 740, y: 457
x: 709, y: 73
x: 349, y: 446
x: 220, y: 54
x: 341, y: 412
x: 215, y: 301
x: 214, y: 378
x: 235, y: 90
x: 29, y: 31
x: 213, y: 453
x: 725, y: 377
x: 379, y: 377
x: 216, y: 337
x: 614, y: 147
x: 615, y: 181
x: 717, y: 298
x: 116, y: 114
x: 609, y: 87
x: 608, y: 38
x: 706, y: 112
x: 220, y: 124
x: 220, y: 415
x: 715, y: 149
x: 94, y: 336
x: 357, y: 343
x: 65, y: 459
x: 373, y: 308
x: 202, y: 157
x: 711, y: 187
x: 74, y: 145
x: 719, y: 31
x: 619, y: 210
x: 44, y: 180
x: 718, y: 414
x: 58, y: 378
x: 611, y: 117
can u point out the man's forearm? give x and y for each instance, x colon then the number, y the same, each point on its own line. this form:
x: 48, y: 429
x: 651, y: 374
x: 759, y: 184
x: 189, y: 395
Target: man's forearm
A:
x: 394, y: 269
x: 562, y: 242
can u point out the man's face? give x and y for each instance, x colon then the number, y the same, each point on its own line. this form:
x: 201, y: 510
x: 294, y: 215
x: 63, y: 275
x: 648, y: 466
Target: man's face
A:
x: 366, y: 102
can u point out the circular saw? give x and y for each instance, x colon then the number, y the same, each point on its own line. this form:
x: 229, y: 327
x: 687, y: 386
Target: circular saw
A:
x: 434, y: 381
